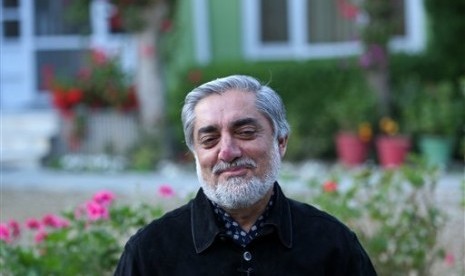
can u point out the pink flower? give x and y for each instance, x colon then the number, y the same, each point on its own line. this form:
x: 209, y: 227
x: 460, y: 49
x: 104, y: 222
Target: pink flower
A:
x: 330, y: 186
x: 449, y: 259
x: 54, y: 221
x: 99, y: 56
x: 33, y: 224
x: 96, y: 211
x: 40, y: 236
x: 5, y: 234
x: 347, y: 10
x: 165, y: 191
x: 15, y: 229
x: 104, y: 197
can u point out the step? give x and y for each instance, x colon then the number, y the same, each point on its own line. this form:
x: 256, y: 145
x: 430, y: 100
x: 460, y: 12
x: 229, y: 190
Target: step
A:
x: 26, y: 136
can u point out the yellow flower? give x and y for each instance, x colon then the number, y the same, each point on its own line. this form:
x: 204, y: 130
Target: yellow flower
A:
x: 365, y: 132
x: 388, y: 126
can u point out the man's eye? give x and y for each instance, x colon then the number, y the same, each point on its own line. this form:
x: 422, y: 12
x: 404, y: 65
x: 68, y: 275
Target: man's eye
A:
x: 246, y: 133
x: 208, y: 141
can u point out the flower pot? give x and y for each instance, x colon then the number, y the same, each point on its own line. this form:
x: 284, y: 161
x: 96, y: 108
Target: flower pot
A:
x: 351, y: 150
x: 392, y: 150
x: 100, y: 131
x: 437, y: 150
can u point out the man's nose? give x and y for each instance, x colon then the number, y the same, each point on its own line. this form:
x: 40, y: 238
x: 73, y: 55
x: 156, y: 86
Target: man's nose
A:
x: 229, y: 150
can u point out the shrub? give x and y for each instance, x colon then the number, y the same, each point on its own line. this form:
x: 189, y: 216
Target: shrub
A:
x: 86, y: 241
x: 392, y: 211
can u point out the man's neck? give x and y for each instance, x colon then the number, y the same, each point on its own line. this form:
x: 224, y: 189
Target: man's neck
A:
x: 246, y: 217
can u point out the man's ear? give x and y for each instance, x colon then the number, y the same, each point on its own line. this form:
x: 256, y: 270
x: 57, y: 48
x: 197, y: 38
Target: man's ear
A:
x: 282, y: 145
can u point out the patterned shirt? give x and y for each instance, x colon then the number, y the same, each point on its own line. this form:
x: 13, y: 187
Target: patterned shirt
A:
x: 235, y: 231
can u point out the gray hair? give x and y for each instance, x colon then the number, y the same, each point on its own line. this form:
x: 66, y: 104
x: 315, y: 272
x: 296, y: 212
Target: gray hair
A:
x: 268, y: 102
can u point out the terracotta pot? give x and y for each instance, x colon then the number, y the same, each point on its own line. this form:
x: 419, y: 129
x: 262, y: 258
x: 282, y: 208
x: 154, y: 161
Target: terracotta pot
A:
x: 392, y: 150
x: 351, y: 150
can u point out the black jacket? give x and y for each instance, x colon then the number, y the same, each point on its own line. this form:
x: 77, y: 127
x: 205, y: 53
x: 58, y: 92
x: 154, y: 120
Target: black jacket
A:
x: 298, y: 240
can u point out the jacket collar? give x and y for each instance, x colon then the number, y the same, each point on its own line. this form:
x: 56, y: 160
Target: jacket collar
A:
x: 205, y: 228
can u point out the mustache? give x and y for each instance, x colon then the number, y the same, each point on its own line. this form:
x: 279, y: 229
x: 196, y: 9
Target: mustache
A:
x: 223, y: 166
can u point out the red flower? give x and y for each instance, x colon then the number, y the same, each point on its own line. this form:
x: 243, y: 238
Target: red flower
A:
x: 330, y: 187
x: 5, y: 234
x: 33, y: 224
x: 165, y: 191
x: 15, y: 229
x: 99, y: 56
x: 347, y: 10
x: 74, y: 96
x: 54, y: 221
x: 96, y: 211
x: 40, y: 236
x: 104, y: 198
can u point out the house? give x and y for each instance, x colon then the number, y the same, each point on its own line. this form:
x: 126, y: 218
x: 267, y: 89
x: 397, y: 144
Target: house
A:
x: 36, y: 35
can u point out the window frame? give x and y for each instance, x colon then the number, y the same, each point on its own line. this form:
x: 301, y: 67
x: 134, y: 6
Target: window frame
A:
x: 297, y: 46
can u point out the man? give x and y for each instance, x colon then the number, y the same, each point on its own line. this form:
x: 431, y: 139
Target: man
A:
x: 240, y: 222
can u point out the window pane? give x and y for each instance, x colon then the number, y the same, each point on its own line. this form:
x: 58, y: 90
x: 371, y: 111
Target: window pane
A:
x: 330, y: 21
x: 11, y: 29
x: 61, y: 63
x: 274, y: 21
x: 50, y: 18
x: 10, y: 3
x: 115, y: 22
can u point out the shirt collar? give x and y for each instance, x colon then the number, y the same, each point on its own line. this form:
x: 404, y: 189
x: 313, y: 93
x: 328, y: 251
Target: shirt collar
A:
x: 205, y: 227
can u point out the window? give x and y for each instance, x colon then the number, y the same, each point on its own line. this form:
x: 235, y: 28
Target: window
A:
x: 60, y: 63
x: 10, y: 25
x: 296, y: 29
x: 51, y: 18
x: 329, y: 21
x: 274, y: 21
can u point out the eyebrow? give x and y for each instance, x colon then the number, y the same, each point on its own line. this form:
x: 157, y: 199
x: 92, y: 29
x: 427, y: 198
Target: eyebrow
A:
x: 235, y: 124
x: 243, y: 122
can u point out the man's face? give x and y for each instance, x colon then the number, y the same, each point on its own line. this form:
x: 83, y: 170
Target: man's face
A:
x: 237, y: 157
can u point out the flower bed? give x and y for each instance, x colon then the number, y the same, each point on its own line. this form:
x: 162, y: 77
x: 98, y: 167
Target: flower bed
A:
x: 394, y: 213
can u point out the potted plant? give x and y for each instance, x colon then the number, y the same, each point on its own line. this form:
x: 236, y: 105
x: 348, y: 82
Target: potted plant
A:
x: 392, y: 146
x: 101, y: 91
x: 351, y: 112
x: 436, y: 117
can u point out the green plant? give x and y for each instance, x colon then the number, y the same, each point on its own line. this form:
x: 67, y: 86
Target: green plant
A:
x: 392, y: 211
x: 433, y: 108
x: 352, y: 109
x: 101, y: 84
x: 146, y: 153
x: 84, y: 241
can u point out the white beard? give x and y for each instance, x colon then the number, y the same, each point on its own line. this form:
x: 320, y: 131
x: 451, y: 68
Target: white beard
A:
x: 238, y: 192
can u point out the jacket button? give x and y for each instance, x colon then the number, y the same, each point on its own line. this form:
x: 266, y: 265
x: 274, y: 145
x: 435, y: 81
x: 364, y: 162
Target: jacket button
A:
x: 247, y: 256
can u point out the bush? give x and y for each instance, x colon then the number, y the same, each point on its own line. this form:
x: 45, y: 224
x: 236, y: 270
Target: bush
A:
x: 86, y: 241
x: 309, y: 89
x: 306, y: 88
x: 392, y: 211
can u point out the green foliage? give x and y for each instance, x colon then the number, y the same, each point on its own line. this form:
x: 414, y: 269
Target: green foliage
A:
x: 306, y: 88
x: 446, y: 39
x: 146, y: 153
x: 392, y: 211
x: 353, y: 105
x: 433, y: 109
x: 88, y: 242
